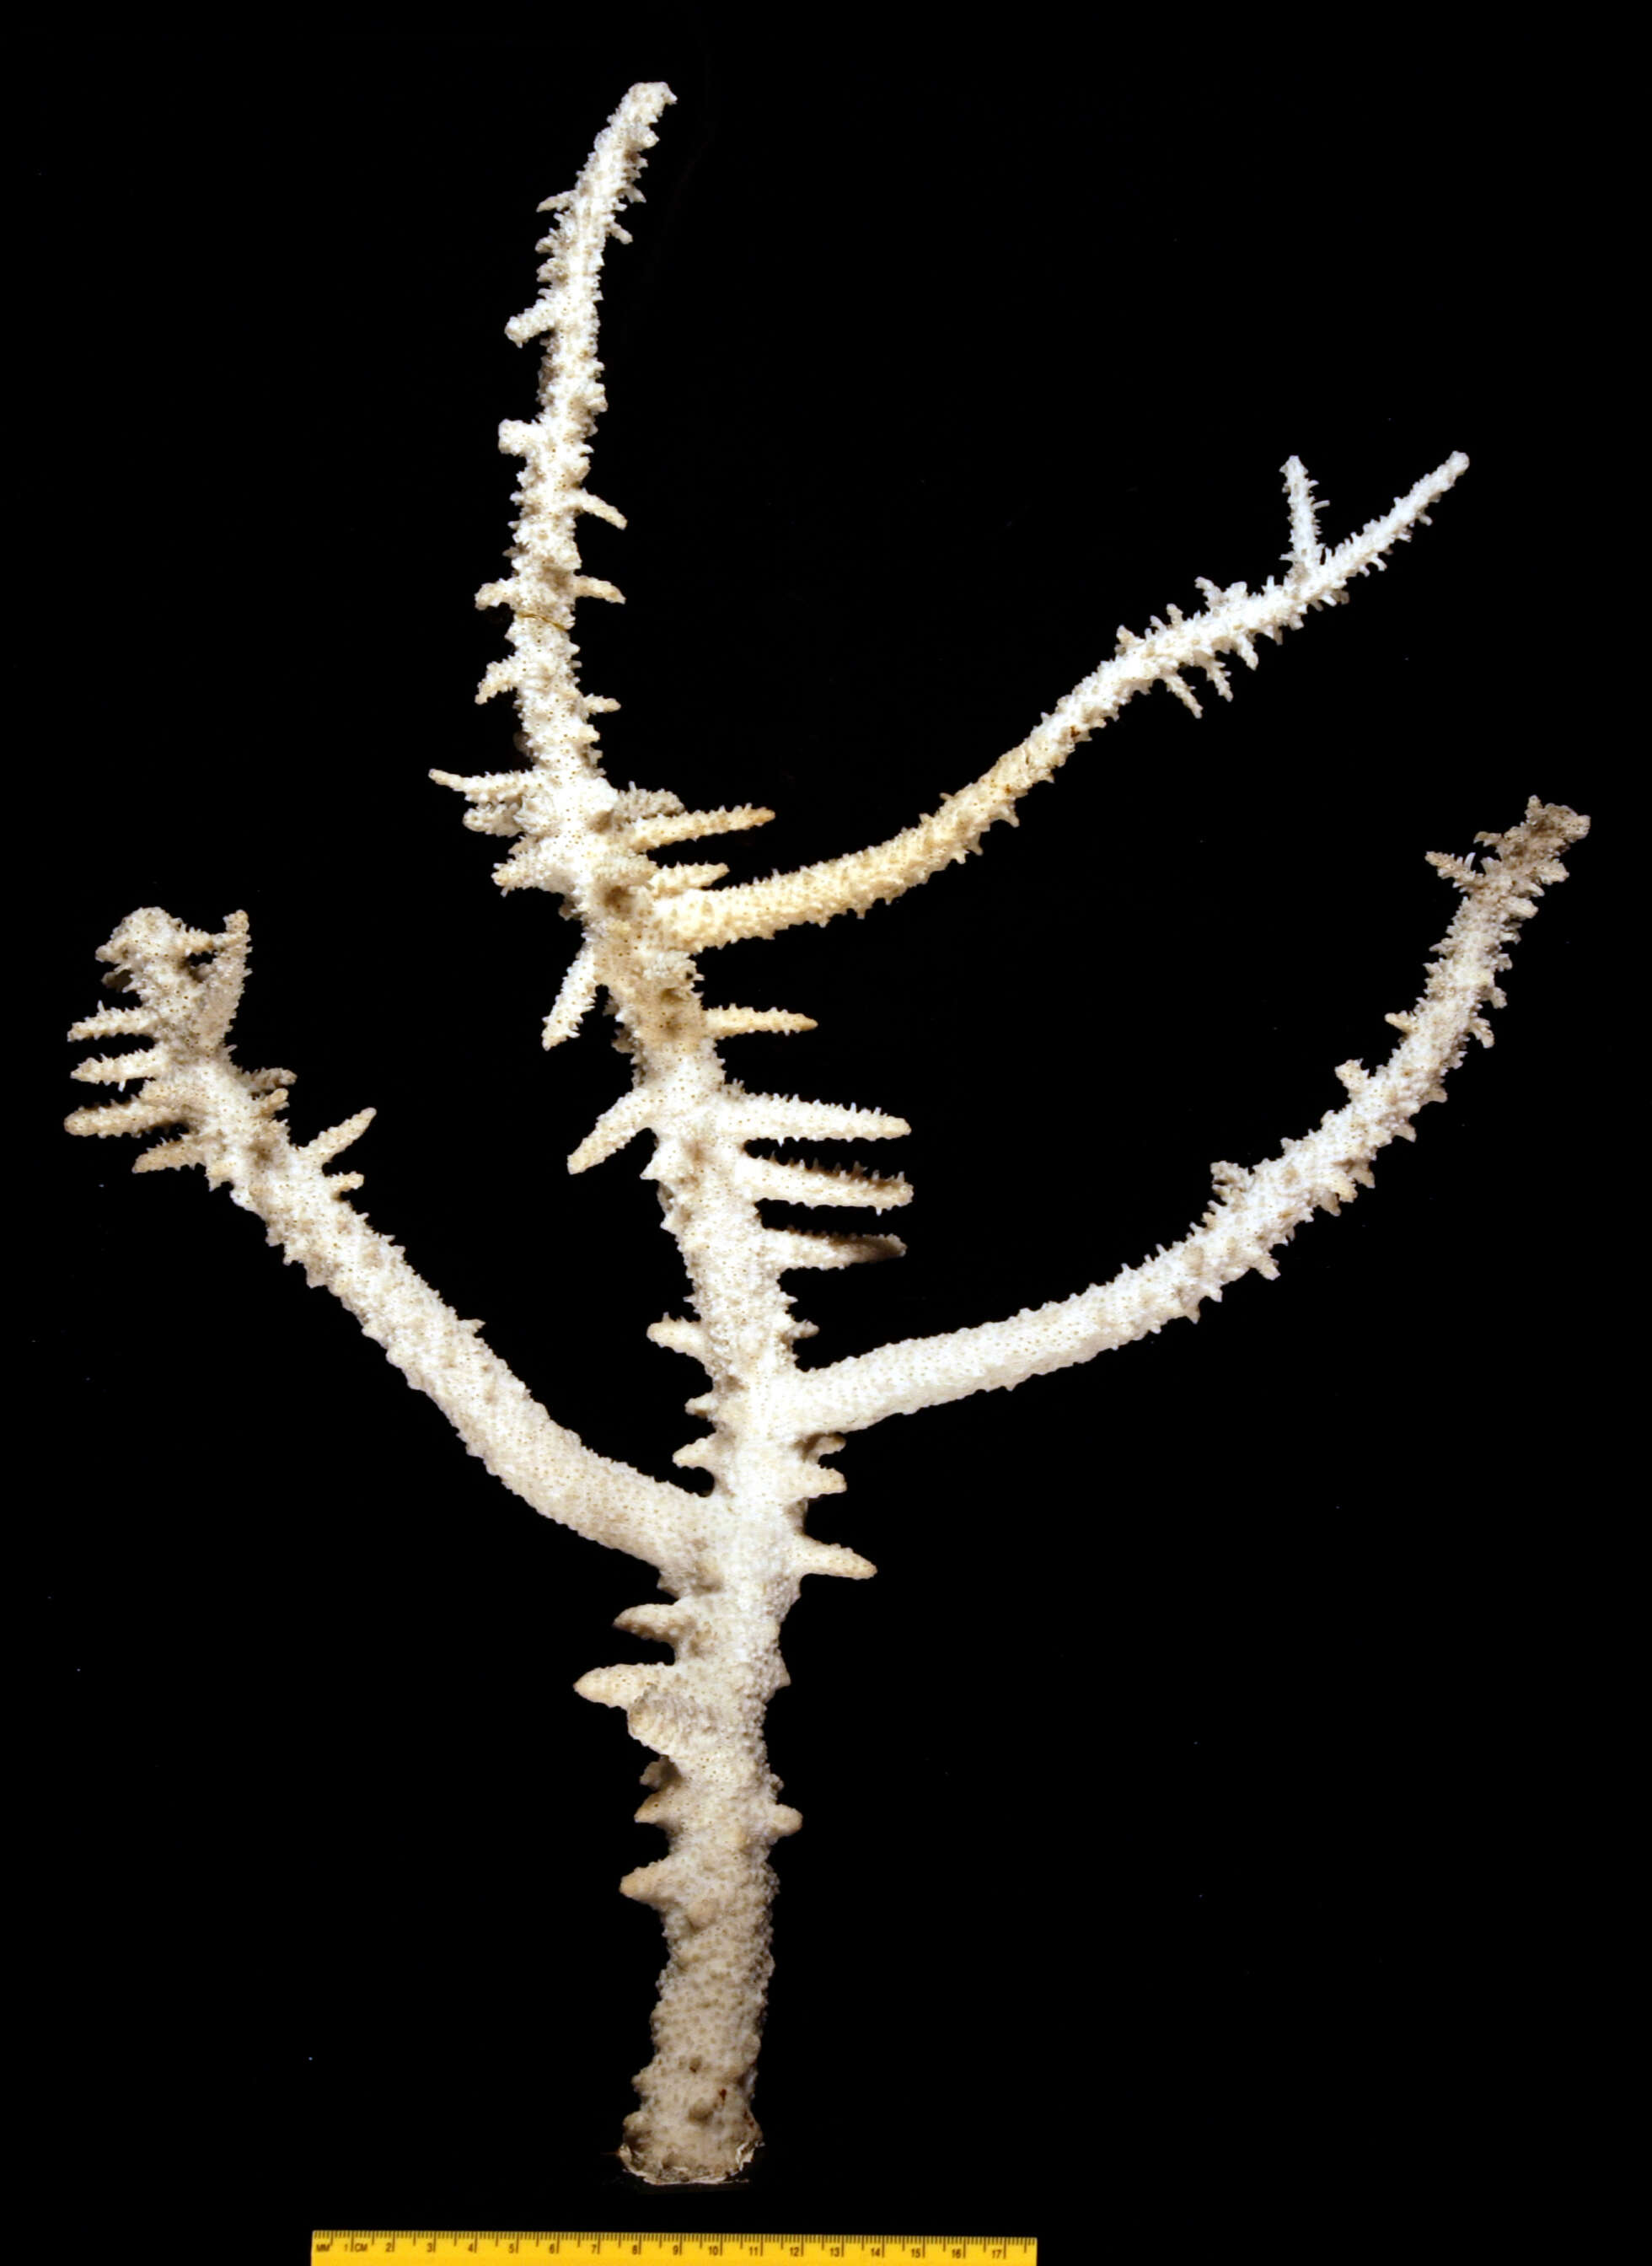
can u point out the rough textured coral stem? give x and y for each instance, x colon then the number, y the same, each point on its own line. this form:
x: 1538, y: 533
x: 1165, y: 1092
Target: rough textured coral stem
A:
x: 714, y: 1795
x: 696, y: 2123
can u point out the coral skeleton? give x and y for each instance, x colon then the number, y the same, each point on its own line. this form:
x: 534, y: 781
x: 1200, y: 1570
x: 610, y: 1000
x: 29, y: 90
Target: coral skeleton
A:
x: 731, y: 1550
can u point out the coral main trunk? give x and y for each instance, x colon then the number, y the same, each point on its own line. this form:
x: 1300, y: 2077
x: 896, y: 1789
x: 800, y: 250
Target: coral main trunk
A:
x: 715, y: 1794
x: 710, y: 1788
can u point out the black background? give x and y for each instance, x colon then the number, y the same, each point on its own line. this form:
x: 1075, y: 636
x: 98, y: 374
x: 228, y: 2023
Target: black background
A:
x: 1179, y: 1798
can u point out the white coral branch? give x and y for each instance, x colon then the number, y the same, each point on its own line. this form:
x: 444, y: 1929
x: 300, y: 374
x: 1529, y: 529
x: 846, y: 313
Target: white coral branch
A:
x: 1256, y: 1210
x: 188, y: 983
x: 547, y: 578
x: 1231, y: 621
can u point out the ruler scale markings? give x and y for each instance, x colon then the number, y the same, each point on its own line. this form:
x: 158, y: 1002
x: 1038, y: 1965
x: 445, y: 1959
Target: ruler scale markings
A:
x: 655, y: 2249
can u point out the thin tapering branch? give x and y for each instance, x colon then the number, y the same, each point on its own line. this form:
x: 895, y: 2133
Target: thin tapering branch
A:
x: 1256, y: 1210
x: 1231, y: 621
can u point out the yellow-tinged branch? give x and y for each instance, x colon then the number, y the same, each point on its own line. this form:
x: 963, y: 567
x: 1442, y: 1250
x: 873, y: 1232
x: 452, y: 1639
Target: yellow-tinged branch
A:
x: 1231, y: 622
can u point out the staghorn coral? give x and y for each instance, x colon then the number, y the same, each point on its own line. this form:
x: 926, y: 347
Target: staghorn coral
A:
x: 730, y: 1558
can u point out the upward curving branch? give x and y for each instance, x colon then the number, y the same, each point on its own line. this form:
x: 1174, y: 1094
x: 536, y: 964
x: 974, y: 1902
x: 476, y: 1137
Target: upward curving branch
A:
x: 1255, y: 1210
x: 1231, y: 622
x: 545, y: 579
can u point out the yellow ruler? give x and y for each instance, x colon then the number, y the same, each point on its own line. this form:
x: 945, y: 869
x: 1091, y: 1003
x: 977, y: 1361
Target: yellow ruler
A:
x: 448, y: 2248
